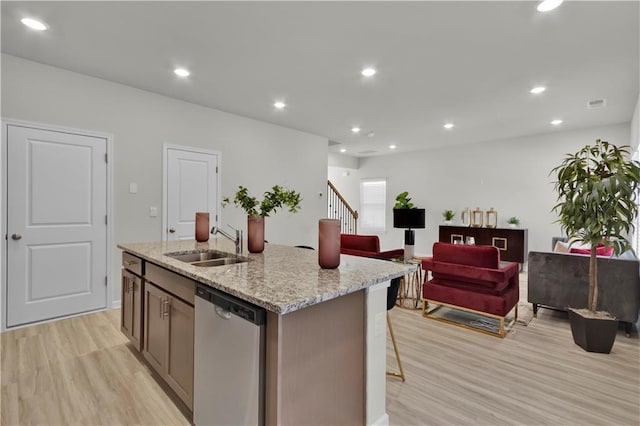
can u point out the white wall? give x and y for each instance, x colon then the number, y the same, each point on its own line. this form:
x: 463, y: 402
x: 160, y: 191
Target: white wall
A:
x: 509, y: 175
x: 635, y: 127
x: 342, y: 160
x: 347, y: 181
x: 254, y: 154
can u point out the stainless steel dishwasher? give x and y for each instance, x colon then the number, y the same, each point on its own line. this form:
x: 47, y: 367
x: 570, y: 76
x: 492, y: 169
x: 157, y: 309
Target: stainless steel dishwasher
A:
x: 229, y: 360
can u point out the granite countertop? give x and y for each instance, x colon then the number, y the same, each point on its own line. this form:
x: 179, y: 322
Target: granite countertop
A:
x: 282, y: 279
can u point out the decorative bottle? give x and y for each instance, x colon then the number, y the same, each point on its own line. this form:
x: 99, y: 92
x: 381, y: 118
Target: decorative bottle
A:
x: 329, y: 243
x: 202, y: 226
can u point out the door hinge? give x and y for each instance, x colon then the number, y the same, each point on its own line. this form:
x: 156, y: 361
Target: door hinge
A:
x: 216, y: 169
x: 106, y: 220
x: 106, y: 158
x: 216, y: 218
x: 105, y: 280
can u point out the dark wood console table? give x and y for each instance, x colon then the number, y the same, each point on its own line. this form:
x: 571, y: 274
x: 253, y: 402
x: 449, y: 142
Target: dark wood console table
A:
x: 512, y: 242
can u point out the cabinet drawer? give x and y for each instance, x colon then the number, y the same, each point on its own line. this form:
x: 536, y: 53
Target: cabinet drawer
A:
x: 178, y: 285
x: 132, y: 263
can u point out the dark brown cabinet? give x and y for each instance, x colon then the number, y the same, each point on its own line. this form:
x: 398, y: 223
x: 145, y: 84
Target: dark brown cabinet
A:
x: 169, y: 330
x: 131, y: 300
x: 512, y: 242
x: 180, y: 349
x: 155, y: 329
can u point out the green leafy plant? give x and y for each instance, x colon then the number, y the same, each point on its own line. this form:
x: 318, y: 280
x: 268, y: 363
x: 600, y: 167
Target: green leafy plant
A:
x: 403, y: 201
x: 277, y: 198
x: 448, y: 214
x: 513, y: 221
x: 597, y: 201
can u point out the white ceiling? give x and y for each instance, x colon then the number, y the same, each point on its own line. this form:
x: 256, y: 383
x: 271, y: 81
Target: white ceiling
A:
x: 472, y: 63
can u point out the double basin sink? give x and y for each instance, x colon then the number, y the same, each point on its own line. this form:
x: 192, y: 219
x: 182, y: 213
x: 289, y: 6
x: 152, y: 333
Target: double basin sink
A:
x: 208, y: 258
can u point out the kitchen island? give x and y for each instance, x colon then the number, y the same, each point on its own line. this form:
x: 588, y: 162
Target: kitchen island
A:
x: 325, y: 332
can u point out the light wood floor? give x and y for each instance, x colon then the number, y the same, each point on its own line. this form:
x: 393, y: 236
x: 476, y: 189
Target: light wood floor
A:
x: 536, y: 375
x: 81, y: 371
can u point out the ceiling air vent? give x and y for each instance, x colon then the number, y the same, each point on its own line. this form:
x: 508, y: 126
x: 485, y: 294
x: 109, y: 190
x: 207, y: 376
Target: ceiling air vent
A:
x: 367, y: 152
x: 597, y: 103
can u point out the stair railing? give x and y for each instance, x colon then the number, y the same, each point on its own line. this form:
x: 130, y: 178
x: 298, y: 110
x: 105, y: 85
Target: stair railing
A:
x: 339, y: 208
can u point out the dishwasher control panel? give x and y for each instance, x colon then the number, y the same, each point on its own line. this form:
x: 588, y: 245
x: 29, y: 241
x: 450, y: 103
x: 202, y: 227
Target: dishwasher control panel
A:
x: 241, y: 308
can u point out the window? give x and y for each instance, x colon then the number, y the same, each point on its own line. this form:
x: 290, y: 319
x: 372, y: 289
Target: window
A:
x: 373, y: 196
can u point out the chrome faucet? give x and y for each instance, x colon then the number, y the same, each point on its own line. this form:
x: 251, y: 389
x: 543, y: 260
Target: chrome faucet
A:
x: 237, y: 240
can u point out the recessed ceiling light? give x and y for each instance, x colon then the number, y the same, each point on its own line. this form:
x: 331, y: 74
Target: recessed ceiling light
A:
x: 279, y: 104
x: 448, y: 126
x: 537, y: 90
x: 355, y: 129
x: 181, y: 72
x: 34, y: 24
x: 343, y: 150
x: 392, y: 147
x: 556, y: 122
x: 548, y: 5
x: 368, y: 72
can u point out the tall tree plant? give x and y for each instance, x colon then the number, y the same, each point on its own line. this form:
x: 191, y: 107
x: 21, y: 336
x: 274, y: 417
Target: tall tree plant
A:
x: 597, y: 189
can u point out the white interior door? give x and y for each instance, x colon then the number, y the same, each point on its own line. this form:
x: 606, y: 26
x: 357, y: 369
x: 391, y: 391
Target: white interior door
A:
x: 191, y: 185
x: 56, y: 224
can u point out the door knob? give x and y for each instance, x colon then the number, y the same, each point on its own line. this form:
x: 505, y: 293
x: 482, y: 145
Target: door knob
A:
x: 16, y: 237
x: 172, y: 230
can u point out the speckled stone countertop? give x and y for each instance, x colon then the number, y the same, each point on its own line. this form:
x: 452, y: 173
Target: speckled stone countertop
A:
x: 281, y: 279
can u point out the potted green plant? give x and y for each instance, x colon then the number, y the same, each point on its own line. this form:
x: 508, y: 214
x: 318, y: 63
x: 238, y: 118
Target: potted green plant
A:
x: 448, y: 216
x: 596, y: 205
x: 277, y: 198
x: 407, y: 215
x: 403, y: 201
x: 513, y: 222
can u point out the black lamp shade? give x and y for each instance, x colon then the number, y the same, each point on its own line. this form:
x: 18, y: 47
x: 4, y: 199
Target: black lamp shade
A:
x: 408, y: 218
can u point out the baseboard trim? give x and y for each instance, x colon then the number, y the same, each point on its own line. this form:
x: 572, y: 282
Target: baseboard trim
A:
x: 381, y: 421
x: 116, y: 304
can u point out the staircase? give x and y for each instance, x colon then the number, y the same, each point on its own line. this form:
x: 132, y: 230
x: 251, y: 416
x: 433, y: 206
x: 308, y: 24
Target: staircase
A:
x: 339, y: 208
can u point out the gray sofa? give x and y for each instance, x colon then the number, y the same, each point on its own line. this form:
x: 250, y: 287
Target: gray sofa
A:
x: 560, y: 280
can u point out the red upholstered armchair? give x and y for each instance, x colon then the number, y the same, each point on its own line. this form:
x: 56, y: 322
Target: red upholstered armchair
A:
x: 367, y: 246
x: 472, y: 279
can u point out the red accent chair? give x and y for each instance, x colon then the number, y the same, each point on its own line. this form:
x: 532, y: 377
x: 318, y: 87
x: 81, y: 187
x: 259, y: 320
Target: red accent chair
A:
x: 366, y: 246
x: 470, y: 278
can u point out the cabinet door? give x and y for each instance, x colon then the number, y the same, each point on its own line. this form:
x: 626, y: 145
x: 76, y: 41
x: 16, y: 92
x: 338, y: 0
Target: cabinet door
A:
x: 136, y: 312
x: 180, y: 355
x: 155, y: 328
x: 126, y: 312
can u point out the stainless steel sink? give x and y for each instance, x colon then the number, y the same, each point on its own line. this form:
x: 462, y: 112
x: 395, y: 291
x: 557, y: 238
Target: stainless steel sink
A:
x: 207, y: 258
x: 197, y: 256
x: 220, y: 262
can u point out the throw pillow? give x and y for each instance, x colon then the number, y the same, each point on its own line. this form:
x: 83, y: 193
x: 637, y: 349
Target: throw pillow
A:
x: 561, y: 247
x: 601, y: 250
x: 629, y: 255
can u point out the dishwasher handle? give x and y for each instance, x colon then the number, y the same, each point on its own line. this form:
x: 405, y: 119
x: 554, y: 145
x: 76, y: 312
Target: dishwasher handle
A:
x: 223, y: 313
x: 226, y: 305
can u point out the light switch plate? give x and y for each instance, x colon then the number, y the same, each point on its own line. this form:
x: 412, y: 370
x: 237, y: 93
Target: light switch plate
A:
x: 153, y: 211
x: 133, y: 188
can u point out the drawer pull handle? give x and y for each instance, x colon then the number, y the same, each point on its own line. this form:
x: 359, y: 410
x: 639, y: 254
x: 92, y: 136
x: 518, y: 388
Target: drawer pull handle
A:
x: 166, y: 305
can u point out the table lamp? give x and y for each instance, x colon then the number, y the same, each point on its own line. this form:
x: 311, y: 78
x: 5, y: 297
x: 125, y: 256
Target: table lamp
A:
x: 408, y: 219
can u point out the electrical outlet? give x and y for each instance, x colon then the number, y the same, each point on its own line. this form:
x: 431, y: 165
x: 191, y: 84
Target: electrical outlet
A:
x: 133, y: 188
x: 153, y: 211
